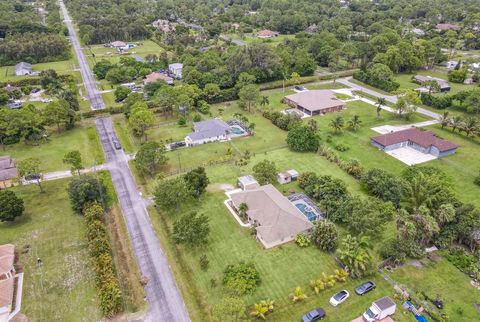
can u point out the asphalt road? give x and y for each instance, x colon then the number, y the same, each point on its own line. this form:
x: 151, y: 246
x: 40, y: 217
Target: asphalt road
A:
x: 93, y: 94
x: 165, y: 301
x: 391, y: 98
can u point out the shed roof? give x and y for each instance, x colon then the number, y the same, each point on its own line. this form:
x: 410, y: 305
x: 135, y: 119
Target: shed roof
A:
x: 23, y: 65
x: 8, y: 168
x: 315, y: 100
x: 422, y: 138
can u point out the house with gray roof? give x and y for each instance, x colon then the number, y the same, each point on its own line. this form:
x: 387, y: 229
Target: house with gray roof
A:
x: 208, y: 131
x: 443, y: 84
x: 276, y: 219
x: 23, y: 68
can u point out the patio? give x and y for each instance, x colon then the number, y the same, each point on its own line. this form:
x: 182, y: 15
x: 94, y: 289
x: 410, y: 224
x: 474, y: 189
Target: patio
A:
x: 410, y: 156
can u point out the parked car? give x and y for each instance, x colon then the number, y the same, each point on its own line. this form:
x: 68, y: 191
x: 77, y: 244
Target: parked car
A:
x: 339, y: 298
x: 365, y: 288
x: 116, y: 144
x: 300, y: 88
x: 35, y: 90
x: 314, y: 315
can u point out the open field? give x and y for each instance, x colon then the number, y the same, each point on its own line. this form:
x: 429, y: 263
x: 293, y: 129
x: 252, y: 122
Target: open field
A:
x: 251, y: 38
x: 446, y: 281
x: 83, y: 138
x: 62, y: 288
x: 7, y: 73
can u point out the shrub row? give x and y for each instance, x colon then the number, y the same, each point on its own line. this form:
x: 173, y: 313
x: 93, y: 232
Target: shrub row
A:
x: 352, y: 166
x: 282, y: 121
x: 100, y: 251
x: 32, y: 81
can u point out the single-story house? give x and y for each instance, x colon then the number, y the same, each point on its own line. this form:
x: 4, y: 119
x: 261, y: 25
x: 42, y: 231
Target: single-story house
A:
x: 418, y: 32
x: 248, y: 182
x: 208, y: 131
x: 315, y: 102
x: 118, y: 44
x: 175, y: 70
x: 22, y: 69
x: 444, y: 85
x: 423, y: 141
x: 276, y: 219
x: 311, y: 29
x: 11, y: 285
x: 8, y: 171
x: 163, y: 25
x: 155, y: 76
x: 287, y: 176
x: 266, y: 33
x: 138, y: 58
x: 451, y: 64
x: 447, y: 26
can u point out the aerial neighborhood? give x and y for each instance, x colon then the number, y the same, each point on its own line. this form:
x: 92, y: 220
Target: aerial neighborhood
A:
x: 240, y: 161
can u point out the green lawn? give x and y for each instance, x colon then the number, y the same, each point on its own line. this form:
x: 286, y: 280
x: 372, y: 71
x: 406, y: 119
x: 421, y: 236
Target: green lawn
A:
x: 7, y: 73
x: 83, y: 138
x: 251, y: 38
x: 62, y: 288
x: 444, y: 280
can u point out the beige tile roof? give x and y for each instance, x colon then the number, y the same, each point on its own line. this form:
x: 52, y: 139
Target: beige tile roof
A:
x: 6, y: 292
x: 278, y: 218
x: 153, y: 77
x: 315, y: 100
x: 8, y: 168
x: 7, y: 257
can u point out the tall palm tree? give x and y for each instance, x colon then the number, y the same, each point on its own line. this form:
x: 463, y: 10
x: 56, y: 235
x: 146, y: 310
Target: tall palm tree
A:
x: 337, y: 124
x: 456, y: 122
x: 354, y: 253
x: 470, y: 125
x: 380, y: 102
x: 354, y: 122
x: 445, y: 120
x: 264, y: 101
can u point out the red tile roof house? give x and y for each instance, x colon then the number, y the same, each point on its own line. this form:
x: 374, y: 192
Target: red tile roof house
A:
x: 267, y: 34
x: 424, y: 141
x: 11, y: 285
x: 315, y: 102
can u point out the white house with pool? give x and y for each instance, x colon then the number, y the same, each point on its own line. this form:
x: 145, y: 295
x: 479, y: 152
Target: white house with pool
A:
x: 277, y: 219
x: 215, y: 130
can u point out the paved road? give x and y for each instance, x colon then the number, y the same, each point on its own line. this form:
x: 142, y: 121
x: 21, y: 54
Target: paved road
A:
x: 391, y: 98
x: 93, y: 94
x: 164, y: 298
x: 165, y: 301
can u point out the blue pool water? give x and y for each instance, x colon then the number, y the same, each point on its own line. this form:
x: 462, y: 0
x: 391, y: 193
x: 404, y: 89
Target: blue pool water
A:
x: 237, y: 130
x: 312, y: 216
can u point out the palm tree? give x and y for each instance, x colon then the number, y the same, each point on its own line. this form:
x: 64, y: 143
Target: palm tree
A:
x: 354, y: 123
x: 328, y: 280
x: 380, y: 102
x: 242, y: 211
x: 298, y: 294
x: 456, y: 122
x: 264, y: 101
x: 470, y: 125
x: 445, y: 120
x: 312, y: 124
x: 354, y: 253
x: 337, y: 124
x: 341, y: 275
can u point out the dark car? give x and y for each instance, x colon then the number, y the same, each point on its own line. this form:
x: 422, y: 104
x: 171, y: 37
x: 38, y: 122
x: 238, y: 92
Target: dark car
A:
x: 365, y: 288
x: 116, y: 144
x: 300, y: 88
x: 35, y: 90
x: 314, y: 315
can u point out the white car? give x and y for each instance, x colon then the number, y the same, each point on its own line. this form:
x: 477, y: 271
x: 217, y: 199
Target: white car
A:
x: 339, y: 298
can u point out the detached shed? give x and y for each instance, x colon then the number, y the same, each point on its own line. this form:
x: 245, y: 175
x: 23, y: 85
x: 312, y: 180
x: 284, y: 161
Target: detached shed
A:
x: 287, y: 176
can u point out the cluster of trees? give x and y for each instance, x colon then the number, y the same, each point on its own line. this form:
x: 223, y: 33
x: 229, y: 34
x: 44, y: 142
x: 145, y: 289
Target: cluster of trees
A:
x: 282, y: 121
x: 466, y: 101
x: 27, y: 38
x: 378, y: 75
x: 240, y: 279
x: 11, y: 206
x: 302, y: 138
x: 128, y: 68
x: 150, y: 157
x: 470, y: 125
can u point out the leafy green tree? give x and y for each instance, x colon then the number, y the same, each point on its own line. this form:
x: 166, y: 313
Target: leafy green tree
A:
x: 150, y: 157
x: 230, y: 309
x: 383, y: 185
x: 302, y: 139
x: 141, y: 118
x: 325, y: 235
x: 407, y: 103
x: 121, y: 93
x: 101, y: 68
x: 74, y: 159
x: 30, y: 169
x: 265, y: 172
x: 11, y: 206
x: 84, y: 190
x: 241, y: 279
x: 56, y: 113
x: 355, y: 254
x: 172, y: 193
x: 196, y: 181
x: 191, y: 229
x: 249, y: 96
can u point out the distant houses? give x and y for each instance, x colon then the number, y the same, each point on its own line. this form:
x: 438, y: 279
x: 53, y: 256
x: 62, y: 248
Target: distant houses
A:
x: 208, y: 131
x: 175, y: 70
x: 422, y: 80
x: 8, y: 171
x: 11, y: 285
x: 23, y: 69
x: 156, y: 76
x: 163, y: 25
x: 425, y: 142
x: 118, y: 44
x: 311, y: 29
x: 418, y: 32
x: 266, y: 33
x: 447, y: 26
x: 315, y: 102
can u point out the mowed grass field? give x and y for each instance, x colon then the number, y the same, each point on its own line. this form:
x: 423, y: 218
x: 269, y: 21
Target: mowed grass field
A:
x: 83, y: 138
x: 62, y: 287
x: 7, y: 73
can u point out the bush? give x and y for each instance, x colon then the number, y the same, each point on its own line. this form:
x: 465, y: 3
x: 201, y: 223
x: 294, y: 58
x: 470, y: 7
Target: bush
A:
x: 341, y: 147
x: 325, y: 235
x: 378, y: 75
x: 302, y: 139
x: 302, y: 240
x: 477, y: 180
x: 241, y: 279
x: 86, y: 189
x: 204, y: 262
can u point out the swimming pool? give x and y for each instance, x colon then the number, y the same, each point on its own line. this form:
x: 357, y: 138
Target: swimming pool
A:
x: 237, y: 130
x: 307, y: 211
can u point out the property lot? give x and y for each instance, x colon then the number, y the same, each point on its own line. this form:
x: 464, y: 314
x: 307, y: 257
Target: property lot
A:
x: 62, y: 287
x: 7, y: 73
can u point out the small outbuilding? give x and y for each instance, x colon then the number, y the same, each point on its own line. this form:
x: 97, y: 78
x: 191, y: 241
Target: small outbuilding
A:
x: 266, y: 33
x: 175, y: 70
x: 248, y: 182
x: 23, y: 68
x: 8, y: 171
x: 443, y: 84
x: 287, y: 176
